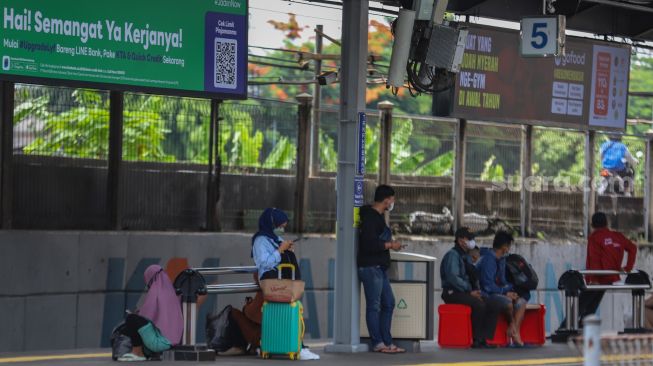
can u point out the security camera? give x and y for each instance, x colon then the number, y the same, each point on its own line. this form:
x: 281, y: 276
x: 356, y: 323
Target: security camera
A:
x: 550, y: 9
x: 328, y: 77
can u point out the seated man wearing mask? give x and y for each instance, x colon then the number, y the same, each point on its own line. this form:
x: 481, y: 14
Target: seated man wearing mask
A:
x: 492, y: 276
x: 456, y: 273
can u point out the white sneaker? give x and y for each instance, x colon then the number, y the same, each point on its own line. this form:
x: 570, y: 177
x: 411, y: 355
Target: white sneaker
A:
x: 305, y: 354
x: 129, y: 357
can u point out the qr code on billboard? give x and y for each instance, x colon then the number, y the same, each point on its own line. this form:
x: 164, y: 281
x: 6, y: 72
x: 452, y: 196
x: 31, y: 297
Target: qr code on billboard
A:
x: 226, y: 67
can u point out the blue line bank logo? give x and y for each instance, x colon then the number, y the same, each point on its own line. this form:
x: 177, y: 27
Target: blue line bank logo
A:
x: 6, y: 63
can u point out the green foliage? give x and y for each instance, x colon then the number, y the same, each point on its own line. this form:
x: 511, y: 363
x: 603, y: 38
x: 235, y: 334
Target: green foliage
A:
x: 559, y: 153
x: 83, y: 130
x: 282, y: 156
x: 372, y: 138
x: 442, y: 166
x: 492, y: 172
x: 402, y: 159
x: 641, y: 79
x: 328, y: 154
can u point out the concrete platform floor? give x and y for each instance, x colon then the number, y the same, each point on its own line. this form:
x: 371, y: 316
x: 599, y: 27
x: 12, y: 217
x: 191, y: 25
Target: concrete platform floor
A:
x: 549, y: 354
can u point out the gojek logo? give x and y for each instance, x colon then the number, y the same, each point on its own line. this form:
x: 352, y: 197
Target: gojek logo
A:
x: 402, y: 305
x: 6, y: 63
x: 570, y: 58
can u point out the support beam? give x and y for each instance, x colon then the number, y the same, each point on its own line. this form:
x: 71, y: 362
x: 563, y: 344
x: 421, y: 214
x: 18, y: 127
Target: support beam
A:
x: 648, y: 189
x: 589, y: 195
x: 526, y: 196
x: 116, y: 116
x: 302, y: 172
x: 385, y: 148
x: 458, y: 191
x: 214, y: 169
x: 352, y: 101
x: 317, y: 102
x: 7, y: 152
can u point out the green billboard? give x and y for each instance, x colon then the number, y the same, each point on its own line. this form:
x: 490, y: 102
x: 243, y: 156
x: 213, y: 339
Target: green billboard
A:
x: 193, y: 47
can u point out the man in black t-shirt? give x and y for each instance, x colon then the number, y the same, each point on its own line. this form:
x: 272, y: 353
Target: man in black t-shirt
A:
x: 374, y: 244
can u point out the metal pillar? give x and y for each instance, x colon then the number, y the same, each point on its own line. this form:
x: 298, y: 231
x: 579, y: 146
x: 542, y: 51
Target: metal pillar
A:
x: 317, y: 100
x: 385, y: 150
x: 526, y: 196
x: 213, y: 186
x: 303, y: 161
x: 114, y: 169
x: 352, y: 101
x: 7, y: 152
x: 589, y: 195
x: 458, y: 191
x: 592, y: 340
x: 648, y: 188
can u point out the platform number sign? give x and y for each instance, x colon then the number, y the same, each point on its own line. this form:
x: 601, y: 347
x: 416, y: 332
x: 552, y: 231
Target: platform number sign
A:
x: 542, y: 36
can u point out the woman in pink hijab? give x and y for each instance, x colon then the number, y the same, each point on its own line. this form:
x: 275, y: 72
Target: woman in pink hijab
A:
x: 158, y: 324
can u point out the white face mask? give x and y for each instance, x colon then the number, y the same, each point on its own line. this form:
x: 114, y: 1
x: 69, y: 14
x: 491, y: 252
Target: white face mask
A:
x: 392, y: 207
x: 471, y: 244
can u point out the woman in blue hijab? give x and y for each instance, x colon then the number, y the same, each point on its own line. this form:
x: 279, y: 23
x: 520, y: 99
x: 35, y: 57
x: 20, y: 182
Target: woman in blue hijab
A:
x: 268, y: 247
x: 269, y: 250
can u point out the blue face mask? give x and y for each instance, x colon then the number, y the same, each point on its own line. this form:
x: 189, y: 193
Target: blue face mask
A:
x: 279, y: 231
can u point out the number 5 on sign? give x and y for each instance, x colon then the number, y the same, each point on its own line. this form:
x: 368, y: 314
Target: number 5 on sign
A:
x: 542, y: 36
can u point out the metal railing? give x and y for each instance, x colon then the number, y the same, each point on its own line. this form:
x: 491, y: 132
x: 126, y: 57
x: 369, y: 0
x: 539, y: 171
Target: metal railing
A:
x: 573, y: 283
x: 190, y: 284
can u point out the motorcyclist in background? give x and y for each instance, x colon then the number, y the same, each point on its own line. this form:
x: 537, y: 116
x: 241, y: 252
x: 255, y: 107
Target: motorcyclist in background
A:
x: 617, y: 161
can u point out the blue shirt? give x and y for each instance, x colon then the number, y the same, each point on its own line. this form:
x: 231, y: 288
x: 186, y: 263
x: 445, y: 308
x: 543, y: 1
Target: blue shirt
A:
x: 612, y: 155
x: 492, y: 274
x: 266, y: 254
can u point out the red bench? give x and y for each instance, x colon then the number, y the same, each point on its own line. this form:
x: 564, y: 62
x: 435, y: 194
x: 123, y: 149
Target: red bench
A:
x: 455, y: 327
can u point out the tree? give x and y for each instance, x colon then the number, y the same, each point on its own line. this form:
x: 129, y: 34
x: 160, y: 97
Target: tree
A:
x: 82, y: 131
x: 641, y: 80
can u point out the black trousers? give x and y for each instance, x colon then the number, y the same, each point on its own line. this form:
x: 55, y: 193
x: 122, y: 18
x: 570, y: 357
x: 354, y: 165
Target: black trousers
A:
x: 485, y: 312
x: 133, y: 323
x: 588, y: 304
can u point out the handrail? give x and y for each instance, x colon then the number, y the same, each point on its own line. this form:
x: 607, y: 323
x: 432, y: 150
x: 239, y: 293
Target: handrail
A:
x: 617, y: 287
x: 209, y: 271
x: 574, y: 283
x: 232, y: 288
x: 605, y: 272
x: 190, y: 284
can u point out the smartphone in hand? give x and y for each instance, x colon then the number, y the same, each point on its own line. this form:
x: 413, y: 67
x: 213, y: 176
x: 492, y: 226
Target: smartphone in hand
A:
x: 296, y: 240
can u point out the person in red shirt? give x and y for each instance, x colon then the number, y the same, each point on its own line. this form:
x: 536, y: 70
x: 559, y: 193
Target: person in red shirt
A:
x: 605, y: 251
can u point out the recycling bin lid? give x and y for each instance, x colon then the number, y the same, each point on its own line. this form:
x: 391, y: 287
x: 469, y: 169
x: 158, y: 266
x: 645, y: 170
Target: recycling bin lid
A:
x: 410, y: 257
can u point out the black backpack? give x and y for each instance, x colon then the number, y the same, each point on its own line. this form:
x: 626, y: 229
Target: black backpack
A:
x: 520, y: 273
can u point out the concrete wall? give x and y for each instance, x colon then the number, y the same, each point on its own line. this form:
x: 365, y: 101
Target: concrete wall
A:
x: 76, y: 285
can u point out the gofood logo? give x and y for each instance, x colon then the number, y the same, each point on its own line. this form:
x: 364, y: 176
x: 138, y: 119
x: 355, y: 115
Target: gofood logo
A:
x: 570, y: 58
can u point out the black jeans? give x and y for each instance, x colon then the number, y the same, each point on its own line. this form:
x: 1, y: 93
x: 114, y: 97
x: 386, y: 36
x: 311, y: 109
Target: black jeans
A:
x: 133, y: 323
x: 588, y: 304
x: 485, y: 312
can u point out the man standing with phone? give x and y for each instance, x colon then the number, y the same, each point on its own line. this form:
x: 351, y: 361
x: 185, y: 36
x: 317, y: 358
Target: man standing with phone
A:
x: 374, y: 244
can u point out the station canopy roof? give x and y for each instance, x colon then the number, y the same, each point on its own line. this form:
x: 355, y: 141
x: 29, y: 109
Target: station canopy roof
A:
x: 631, y: 19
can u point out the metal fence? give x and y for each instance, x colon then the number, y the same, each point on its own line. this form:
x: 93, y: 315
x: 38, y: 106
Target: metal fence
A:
x: 258, y: 135
x: 61, y: 147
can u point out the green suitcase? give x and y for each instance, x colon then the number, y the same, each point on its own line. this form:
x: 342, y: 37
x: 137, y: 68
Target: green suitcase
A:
x: 282, y: 329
